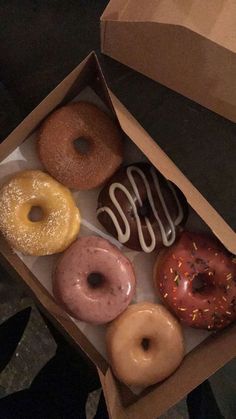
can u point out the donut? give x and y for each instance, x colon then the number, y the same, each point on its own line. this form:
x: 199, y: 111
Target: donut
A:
x: 58, y: 225
x: 141, y: 209
x: 80, y: 146
x: 144, y: 344
x: 197, y: 279
x: 93, y: 280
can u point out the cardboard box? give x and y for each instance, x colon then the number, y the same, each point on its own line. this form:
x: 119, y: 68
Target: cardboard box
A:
x: 187, y: 45
x: 201, y: 362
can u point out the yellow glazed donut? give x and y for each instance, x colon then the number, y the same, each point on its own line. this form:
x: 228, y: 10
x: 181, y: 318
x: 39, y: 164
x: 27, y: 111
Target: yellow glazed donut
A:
x: 60, y: 221
x: 144, y: 344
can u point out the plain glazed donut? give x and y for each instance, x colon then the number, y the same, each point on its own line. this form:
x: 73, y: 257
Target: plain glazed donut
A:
x: 60, y: 221
x: 197, y: 279
x: 141, y: 209
x: 144, y: 344
x: 71, y: 166
x: 93, y: 280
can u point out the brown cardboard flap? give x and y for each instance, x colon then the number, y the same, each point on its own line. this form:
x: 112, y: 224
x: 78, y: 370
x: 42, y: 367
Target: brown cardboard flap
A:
x: 209, y: 70
x: 186, y: 45
x: 163, y: 163
x: 213, y: 19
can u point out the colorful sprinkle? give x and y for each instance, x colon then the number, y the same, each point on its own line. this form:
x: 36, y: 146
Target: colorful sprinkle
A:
x: 171, y: 270
x: 182, y: 309
x: 179, y: 264
x: 206, y: 309
x: 166, y: 295
x: 194, y: 245
x: 229, y: 276
x: 229, y: 313
x: 194, y: 317
x: 227, y: 287
x: 223, y: 298
x: 196, y: 310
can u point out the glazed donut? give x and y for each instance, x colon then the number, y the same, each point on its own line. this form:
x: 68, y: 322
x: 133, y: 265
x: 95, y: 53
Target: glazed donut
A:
x: 98, y: 151
x: 60, y: 221
x: 144, y: 344
x: 93, y: 280
x: 141, y: 209
x: 197, y: 279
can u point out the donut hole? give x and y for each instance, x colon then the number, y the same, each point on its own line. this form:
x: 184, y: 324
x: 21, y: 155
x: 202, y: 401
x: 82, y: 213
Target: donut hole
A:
x: 95, y: 280
x: 145, y: 209
x: 145, y: 344
x: 201, y: 284
x: 82, y: 145
x: 36, y: 214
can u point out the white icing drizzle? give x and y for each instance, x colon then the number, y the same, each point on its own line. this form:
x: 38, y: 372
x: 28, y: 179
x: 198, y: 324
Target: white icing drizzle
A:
x: 124, y: 236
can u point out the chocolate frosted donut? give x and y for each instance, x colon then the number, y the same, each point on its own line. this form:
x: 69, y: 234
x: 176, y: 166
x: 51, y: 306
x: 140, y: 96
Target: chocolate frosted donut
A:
x: 141, y: 209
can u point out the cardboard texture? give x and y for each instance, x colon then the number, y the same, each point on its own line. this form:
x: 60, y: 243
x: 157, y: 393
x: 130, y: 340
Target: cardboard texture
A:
x: 210, y: 355
x: 187, y: 45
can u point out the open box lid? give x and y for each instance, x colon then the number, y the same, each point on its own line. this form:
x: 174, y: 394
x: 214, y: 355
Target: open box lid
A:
x: 186, y: 45
x: 213, y: 19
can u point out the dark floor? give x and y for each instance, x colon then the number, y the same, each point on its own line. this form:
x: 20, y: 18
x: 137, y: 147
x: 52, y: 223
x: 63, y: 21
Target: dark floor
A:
x: 41, y: 41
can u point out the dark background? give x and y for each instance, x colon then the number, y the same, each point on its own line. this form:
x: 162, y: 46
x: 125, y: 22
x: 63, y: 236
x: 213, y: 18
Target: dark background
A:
x: 42, y: 41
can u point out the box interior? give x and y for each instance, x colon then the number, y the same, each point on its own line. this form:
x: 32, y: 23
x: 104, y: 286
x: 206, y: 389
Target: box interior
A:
x: 88, y: 73
x: 25, y: 157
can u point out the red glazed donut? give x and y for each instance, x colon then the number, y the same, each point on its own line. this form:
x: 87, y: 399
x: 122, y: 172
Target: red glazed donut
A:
x: 197, y: 280
x: 94, y: 157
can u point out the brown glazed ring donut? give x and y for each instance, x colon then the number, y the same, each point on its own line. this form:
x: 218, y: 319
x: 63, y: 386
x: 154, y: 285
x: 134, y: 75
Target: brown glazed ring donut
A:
x: 80, y: 146
x: 197, y: 279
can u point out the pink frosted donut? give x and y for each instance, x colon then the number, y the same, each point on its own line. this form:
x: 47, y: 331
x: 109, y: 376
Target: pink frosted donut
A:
x: 93, y: 280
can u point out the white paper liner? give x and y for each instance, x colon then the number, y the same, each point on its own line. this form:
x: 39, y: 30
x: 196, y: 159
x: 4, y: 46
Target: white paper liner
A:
x: 25, y: 157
